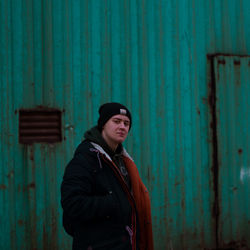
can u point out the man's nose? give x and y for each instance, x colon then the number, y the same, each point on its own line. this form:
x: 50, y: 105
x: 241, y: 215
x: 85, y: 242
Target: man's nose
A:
x: 122, y: 125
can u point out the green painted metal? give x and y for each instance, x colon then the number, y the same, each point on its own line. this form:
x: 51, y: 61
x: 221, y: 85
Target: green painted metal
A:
x: 233, y: 123
x: 149, y: 55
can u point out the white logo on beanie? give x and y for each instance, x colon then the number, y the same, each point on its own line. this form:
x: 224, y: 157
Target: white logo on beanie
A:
x: 123, y: 111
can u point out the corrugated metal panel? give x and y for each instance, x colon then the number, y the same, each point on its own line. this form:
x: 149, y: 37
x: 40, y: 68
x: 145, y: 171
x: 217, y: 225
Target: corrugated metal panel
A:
x: 149, y: 55
x: 233, y: 122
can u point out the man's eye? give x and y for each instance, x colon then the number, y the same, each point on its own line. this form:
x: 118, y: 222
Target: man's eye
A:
x: 116, y: 121
x: 126, y: 124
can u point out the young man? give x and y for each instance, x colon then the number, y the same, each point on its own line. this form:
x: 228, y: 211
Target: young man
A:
x: 105, y: 204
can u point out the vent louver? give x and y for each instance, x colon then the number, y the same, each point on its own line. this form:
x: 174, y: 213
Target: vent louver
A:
x: 39, y: 126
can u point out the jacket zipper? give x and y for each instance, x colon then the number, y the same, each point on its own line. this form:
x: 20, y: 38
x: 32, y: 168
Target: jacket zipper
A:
x: 131, y: 199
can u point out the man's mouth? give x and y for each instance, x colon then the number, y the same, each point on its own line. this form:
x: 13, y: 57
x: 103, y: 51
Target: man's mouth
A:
x: 121, y: 134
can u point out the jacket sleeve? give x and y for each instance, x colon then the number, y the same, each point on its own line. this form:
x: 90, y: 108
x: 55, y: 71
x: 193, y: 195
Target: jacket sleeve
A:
x: 77, y: 198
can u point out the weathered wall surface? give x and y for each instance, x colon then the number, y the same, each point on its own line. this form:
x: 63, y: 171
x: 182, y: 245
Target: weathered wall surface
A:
x: 151, y: 56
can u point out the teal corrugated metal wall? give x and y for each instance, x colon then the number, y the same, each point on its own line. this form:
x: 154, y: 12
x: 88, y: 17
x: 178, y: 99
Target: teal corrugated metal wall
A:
x: 232, y: 76
x: 149, y: 55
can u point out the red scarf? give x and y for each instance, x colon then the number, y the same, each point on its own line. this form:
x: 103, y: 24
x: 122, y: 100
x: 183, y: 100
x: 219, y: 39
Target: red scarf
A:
x: 142, y: 200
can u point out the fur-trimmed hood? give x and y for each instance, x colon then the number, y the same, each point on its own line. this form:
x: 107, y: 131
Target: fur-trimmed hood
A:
x: 101, y: 150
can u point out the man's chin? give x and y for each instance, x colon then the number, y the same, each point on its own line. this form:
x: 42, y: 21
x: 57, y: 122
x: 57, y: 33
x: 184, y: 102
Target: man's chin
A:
x: 121, y: 140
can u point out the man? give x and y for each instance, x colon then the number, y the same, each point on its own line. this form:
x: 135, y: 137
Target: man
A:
x: 105, y: 204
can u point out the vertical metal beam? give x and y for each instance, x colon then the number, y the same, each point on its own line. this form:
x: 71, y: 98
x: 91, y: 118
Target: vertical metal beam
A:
x: 215, y: 164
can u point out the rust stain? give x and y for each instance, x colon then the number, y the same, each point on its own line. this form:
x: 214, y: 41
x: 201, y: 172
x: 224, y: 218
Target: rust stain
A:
x: 235, y: 245
x: 45, y: 237
x: 222, y: 61
x: 32, y: 154
x: 31, y: 185
x: 20, y: 222
x: 2, y: 187
x: 234, y: 188
x: 204, y: 100
x: 183, y: 204
x: 236, y: 62
x: 226, y: 54
x: 10, y: 174
x: 177, y: 183
x: 211, y: 125
x: 25, y: 188
x: 240, y: 151
x: 54, y: 228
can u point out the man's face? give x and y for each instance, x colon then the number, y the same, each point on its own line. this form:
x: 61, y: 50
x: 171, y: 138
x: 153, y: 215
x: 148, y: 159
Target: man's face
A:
x: 116, y: 129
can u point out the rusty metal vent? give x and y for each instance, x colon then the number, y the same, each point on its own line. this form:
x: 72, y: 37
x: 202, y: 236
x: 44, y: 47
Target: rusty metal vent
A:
x: 39, y: 126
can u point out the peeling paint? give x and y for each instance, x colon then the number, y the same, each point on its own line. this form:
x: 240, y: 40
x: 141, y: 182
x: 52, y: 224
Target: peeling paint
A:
x: 245, y: 174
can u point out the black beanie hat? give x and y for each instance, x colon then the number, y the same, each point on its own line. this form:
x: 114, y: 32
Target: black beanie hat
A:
x: 107, y: 110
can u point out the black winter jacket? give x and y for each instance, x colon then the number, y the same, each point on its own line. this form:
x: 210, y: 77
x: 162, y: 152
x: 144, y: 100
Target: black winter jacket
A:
x: 96, y: 209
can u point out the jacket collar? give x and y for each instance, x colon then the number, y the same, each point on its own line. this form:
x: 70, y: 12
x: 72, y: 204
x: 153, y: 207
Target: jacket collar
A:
x: 101, y: 150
